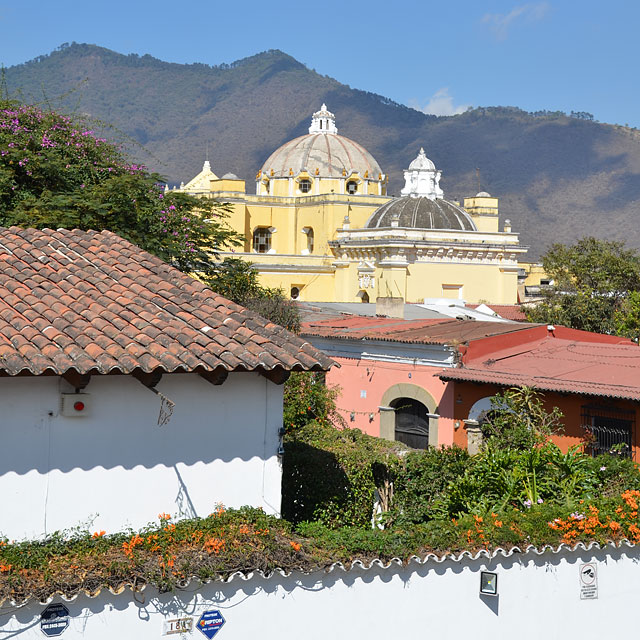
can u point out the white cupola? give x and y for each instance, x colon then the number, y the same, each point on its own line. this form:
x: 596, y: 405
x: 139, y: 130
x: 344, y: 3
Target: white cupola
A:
x: 422, y: 179
x: 323, y: 121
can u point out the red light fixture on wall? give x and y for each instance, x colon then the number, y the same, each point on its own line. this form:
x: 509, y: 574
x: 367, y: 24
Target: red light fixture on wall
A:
x: 75, y: 405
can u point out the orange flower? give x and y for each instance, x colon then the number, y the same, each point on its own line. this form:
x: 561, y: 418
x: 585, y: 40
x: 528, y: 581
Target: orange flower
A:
x: 219, y: 510
x: 243, y: 529
x: 296, y: 546
x: 614, y: 526
x: 5, y: 568
x: 635, y: 532
x: 164, y: 516
x: 214, y: 545
x: 98, y: 534
x: 631, y: 498
x: 128, y: 547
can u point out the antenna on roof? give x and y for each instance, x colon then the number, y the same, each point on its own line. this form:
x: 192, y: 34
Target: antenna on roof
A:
x: 478, y: 178
x: 206, y: 156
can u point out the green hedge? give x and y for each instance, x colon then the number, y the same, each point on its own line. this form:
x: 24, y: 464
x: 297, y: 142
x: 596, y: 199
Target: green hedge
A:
x: 330, y: 475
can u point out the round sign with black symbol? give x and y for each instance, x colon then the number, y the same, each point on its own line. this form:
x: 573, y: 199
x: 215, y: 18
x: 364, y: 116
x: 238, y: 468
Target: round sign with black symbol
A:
x: 588, y: 574
x: 54, y: 620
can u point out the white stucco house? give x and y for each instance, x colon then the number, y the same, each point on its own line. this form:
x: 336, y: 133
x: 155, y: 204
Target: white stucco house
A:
x: 128, y: 388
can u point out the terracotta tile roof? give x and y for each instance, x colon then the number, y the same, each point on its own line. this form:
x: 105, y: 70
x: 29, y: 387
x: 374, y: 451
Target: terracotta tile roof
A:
x: 565, y: 366
x: 507, y: 311
x: 94, y: 303
x: 428, y: 331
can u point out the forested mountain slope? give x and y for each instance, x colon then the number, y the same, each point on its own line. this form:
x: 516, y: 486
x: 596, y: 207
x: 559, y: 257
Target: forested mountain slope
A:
x: 558, y: 177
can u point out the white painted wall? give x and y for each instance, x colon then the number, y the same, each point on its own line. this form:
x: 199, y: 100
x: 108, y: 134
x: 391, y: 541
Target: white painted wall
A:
x: 115, y: 468
x: 539, y: 597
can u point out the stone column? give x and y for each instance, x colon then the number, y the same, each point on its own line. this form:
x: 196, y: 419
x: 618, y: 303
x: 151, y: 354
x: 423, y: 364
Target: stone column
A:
x: 474, y: 436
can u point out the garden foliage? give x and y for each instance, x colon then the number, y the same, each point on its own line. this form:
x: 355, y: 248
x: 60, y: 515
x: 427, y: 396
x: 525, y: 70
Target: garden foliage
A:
x: 55, y: 172
x: 237, y: 280
x: 332, y: 476
x: 308, y: 399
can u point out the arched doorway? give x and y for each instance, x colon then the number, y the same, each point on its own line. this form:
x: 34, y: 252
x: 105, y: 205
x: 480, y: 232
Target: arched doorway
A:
x: 411, y: 422
x: 408, y: 407
x: 480, y: 409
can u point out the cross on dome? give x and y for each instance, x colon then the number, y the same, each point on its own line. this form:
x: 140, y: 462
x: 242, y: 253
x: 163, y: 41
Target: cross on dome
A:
x: 323, y: 121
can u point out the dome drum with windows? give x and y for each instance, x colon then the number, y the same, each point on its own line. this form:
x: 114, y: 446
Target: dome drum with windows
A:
x: 321, y: 162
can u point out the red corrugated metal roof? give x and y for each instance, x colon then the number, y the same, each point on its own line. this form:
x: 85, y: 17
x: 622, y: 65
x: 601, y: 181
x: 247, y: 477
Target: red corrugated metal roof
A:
x: 445, y: 331
x: 555, y: 364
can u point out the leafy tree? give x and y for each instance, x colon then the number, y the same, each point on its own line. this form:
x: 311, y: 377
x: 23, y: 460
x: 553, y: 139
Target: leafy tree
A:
x: 237, y: 280
x: 592, y: 280
x: 518, y: 420
x: 55, y: 172
x: 307, y: 399
x: 626, y: 318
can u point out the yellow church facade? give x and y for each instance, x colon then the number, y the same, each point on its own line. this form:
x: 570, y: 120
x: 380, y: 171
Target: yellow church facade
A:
x: 322, y: 227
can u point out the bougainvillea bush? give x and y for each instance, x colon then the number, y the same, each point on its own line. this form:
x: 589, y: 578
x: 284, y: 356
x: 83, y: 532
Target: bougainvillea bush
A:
x: 56, y: 172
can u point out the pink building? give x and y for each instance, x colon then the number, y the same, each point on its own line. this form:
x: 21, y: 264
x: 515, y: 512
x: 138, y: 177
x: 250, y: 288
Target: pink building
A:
x: 389, y: 370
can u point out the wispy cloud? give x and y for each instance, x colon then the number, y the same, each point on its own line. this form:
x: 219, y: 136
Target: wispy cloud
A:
x: 440, y: 104
x: 500, y: 23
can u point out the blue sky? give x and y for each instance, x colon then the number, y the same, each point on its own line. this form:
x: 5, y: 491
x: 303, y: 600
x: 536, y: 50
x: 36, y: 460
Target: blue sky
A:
x: 439, y: 56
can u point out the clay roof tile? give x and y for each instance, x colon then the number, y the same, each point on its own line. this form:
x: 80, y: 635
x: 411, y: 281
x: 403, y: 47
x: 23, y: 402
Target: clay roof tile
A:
x: 94, y: 302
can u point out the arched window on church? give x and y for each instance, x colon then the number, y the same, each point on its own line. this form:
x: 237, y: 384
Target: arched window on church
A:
x: 304, y: 186
x: 352, y: 187
x: 411, y: 422
x: 262, y: 240
x: 310, y: 240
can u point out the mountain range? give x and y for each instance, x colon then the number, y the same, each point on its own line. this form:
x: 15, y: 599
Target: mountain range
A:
x: 558, y: 177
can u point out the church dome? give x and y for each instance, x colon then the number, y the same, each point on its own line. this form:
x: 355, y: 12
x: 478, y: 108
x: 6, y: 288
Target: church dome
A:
x: 421, y: 213
x: 321, y: 152
x: 422, y: 163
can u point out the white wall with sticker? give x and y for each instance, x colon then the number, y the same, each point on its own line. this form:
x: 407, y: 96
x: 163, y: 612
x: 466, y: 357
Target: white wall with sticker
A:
x: 538, y: 596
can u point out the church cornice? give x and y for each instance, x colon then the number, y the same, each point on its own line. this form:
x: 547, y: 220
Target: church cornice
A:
x: 326, y: 198
x: 427, y: 239
x: 403, y: 254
